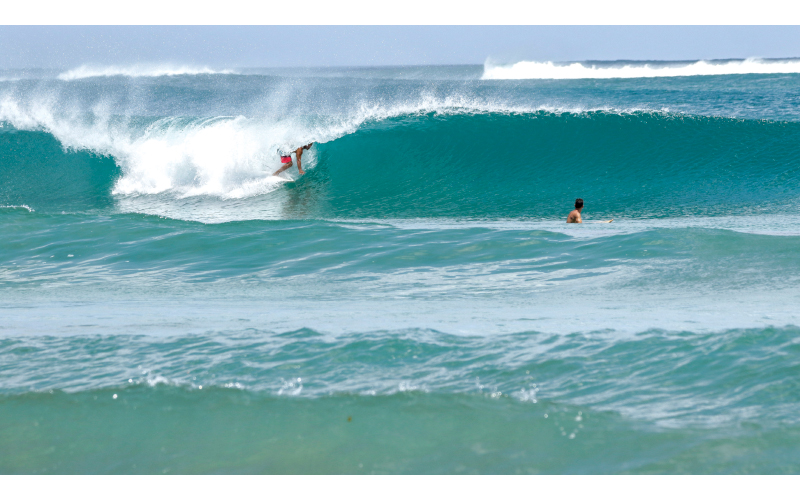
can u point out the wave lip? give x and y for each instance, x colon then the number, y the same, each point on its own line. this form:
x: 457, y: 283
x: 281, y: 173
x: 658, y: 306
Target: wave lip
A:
x: 532, y: 70
x: 138, y: 70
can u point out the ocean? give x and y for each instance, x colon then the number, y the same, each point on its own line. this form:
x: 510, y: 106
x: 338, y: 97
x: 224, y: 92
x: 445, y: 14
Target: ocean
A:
x: 415, y: 303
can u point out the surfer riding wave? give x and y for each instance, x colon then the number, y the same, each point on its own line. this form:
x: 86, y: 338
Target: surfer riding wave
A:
x: 286, y: 159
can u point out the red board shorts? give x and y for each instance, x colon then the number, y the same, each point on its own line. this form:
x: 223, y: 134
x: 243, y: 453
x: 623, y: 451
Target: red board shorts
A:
x: 286, y: 160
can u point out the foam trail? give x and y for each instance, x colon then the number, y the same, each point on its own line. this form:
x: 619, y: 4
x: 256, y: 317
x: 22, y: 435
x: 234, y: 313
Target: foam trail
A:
x: 23, y: 206
x: 137, y: 70
x: 559, y: 71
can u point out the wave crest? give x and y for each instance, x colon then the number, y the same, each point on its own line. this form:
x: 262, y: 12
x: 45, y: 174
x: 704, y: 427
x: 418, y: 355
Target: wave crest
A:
x: 138, y: 70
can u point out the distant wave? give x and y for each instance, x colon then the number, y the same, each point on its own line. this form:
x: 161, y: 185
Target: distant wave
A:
x: 137, y: 70
x: 561, y: 71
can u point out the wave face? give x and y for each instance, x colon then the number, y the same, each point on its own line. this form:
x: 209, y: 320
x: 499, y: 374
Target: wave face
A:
x: 414, y: 303
x: 634, y: 165
x: 559, y: 71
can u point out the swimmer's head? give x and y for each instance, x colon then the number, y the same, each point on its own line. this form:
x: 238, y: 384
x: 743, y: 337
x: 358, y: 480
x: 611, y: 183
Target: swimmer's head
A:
x: 308, y: 146
x: 578, y: 203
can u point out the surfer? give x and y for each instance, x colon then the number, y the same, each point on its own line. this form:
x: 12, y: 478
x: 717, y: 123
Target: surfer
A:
x: 286, y: 159
x: 575, y: 216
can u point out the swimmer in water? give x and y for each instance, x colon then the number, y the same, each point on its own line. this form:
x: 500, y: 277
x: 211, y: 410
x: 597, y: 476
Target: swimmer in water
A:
x: 286, y: 160
x: 575, y: 216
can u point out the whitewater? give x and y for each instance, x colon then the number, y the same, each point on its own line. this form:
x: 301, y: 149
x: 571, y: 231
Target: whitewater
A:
x: 415, y: 302
x: 631, y: 69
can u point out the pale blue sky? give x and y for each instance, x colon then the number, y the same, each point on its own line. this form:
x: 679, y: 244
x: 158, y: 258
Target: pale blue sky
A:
x: 275, y: 46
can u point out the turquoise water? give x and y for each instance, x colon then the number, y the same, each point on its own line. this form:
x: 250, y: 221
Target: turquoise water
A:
x: 415, y: 302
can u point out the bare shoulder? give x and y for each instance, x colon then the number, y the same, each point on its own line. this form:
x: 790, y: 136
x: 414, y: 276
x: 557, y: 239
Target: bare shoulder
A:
x: 574, y: 217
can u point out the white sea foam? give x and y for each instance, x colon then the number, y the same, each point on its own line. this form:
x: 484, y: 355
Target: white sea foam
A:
x: 137, y: 70
x: 23, y: 206
x: 226, y: 157
x: 559, y: 71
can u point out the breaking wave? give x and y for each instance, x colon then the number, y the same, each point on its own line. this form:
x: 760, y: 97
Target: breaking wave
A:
x: 559, y: 71
x: 229, y: 157
x: 138, y: 70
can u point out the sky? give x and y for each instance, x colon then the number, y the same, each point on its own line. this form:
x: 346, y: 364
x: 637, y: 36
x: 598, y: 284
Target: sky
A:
x: 220, y: 47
